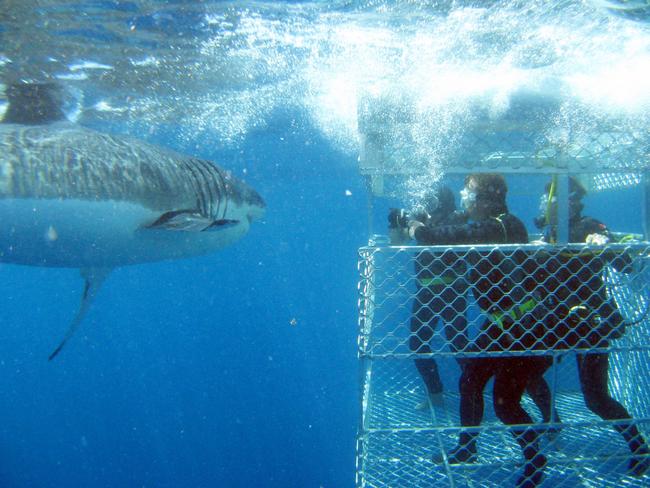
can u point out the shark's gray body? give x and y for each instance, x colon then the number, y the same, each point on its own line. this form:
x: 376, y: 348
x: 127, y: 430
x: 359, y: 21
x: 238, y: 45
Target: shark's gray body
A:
x: 74, y: 197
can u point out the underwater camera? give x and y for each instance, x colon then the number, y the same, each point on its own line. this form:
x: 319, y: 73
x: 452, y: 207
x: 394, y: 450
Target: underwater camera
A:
x: 399, y: 218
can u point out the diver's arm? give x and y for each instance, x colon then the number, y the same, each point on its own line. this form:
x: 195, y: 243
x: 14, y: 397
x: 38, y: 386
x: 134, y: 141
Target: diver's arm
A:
x: 480, y: 232
x: 620, y: 261
x: 590, y: 226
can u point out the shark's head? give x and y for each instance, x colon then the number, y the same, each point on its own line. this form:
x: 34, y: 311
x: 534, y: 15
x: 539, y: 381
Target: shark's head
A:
x: 244, y: 200
x: 254, y: 203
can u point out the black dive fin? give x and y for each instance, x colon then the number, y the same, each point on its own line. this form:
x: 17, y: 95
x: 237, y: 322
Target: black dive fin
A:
x: 94, y: 277
x: 188, y: 221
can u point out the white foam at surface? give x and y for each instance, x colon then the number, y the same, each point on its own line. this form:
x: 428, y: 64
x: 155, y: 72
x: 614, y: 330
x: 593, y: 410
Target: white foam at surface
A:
x: 442, y: 67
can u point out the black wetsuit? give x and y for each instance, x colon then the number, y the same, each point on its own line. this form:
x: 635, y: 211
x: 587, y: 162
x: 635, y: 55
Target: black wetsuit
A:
x: 585, y: 317
x: 496, y: 289
x: 441, y: 287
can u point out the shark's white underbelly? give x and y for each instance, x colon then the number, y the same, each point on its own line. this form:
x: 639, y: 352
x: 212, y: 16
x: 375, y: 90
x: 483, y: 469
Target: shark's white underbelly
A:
x: 79, y: 233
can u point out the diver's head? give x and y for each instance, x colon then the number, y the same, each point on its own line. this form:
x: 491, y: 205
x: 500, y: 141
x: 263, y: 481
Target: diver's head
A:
x: 435, y: 206
x: 484, y: 195
x: 548, y: 203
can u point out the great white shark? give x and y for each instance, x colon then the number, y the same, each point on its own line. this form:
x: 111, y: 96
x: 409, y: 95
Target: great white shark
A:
x: 74, y: 197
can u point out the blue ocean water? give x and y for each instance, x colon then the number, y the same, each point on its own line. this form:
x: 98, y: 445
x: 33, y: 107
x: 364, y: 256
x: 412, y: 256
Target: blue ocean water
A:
x: 235, y: 369
x: 239, y: 369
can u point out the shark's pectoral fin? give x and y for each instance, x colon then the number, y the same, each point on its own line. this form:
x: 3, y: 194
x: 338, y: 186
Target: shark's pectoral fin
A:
x: 188, y: 221
x: 221, y: 224
x: 94, y: 277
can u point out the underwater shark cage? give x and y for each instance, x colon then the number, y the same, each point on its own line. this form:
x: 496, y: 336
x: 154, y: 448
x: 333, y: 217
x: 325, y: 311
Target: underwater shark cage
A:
x: 405, y: 435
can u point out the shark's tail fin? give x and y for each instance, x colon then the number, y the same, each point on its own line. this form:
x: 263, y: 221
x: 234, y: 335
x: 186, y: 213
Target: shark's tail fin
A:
x: 94, y: 277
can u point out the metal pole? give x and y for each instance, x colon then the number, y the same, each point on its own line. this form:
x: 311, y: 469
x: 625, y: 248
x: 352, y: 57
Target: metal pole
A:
x: 562, y: 195
x: 645, y: 205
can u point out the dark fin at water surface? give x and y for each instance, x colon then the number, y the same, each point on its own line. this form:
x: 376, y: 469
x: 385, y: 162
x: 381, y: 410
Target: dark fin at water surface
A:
x: 94, y: 277
x: 34, y: 104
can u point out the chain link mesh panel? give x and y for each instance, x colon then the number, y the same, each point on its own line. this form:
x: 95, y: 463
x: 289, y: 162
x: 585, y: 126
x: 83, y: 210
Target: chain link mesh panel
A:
x: 535, y: 299
x: 451, y: 303
x: 584, y: 455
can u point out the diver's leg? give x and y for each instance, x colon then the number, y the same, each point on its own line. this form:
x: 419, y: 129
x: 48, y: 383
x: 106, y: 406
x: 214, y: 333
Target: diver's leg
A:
x: 593, y: 372
x: 509, y: 385
x: 593, y: 369
x: 540, y: 392
x: 475, y: 375
x: 422, y: 328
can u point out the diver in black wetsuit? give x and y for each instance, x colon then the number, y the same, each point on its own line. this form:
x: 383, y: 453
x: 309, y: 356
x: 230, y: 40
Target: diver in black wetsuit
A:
x: 499, y: 285
x: 585, y: 316
x: 441, y: 288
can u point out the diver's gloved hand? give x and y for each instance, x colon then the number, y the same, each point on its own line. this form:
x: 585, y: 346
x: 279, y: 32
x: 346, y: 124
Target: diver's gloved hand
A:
x: 397, y: 218
x: 413, y: 225
x: 540, y: 222
x: 596, y: 239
